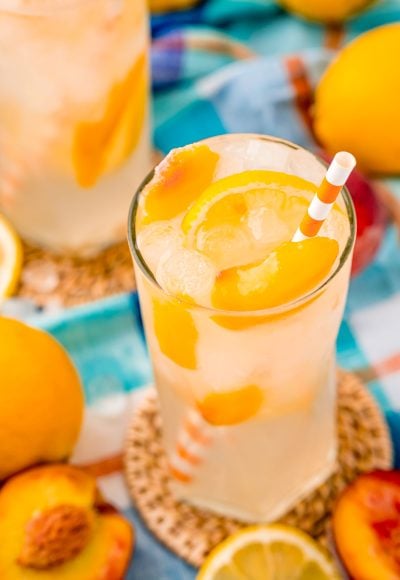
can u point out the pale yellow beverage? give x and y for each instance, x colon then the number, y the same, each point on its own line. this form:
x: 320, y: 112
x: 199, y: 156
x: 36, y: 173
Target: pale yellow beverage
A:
x: 74, y: 135
x: 241, y: 322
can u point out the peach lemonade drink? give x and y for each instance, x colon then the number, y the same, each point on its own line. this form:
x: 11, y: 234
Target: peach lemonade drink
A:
x: 241, y: 322
x: 74, y: 133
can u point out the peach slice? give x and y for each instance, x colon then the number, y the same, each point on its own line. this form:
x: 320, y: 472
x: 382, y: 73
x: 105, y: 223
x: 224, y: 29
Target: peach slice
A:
x: 231, y: 407
x: 101, y: 146
x: 54, y: 524
x: 366, y: 525
x: 178, y: 181
x: 293, y: 270
x: 176, y: 332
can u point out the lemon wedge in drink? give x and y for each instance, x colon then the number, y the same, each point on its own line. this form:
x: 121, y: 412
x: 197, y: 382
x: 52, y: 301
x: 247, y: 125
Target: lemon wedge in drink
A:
x: 229, y: 197
x: 10, y: 258
x: 246, y: 214
x: 268, y: 552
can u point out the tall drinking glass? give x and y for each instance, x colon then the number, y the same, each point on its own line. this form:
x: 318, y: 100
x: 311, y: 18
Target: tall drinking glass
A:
x: 74, y: 134
x: 247, y: 395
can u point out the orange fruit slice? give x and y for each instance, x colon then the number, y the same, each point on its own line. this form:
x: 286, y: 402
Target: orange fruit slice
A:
x: 244, y: 214
x: 231, y: 407
x: 11, y: 258
x: 176, y: 332
x: 101, y: 146
x: 178, y: 181
x: 268, y: 552
x: 291, y: 271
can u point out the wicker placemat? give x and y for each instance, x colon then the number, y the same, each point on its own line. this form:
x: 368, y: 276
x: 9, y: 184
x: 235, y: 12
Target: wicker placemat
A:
x: 55, y: 280
x: 364, y: 444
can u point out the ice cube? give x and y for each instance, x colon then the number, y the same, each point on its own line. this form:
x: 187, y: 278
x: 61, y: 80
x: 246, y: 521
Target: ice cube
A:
x: 267, y: 226
x: 225, y: 245
x: 158, y: 240
x: 187, y: 273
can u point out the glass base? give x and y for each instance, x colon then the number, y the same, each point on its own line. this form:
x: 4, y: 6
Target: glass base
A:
x: 285, y: 505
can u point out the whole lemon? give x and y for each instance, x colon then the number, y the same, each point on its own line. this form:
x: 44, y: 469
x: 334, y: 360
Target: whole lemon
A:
x: 41, y: 399
x: 325, y: 10
x: 357, y: 101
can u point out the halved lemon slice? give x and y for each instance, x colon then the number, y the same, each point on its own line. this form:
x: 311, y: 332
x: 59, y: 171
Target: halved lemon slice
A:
x: 244, y: 214
x: 10, y: 258
x: 268, y: 552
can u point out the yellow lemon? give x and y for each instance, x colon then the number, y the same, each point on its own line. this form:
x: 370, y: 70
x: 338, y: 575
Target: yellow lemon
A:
x: 41, y: 400
x: 357, y: 101
x: 268, y: 552
x: 10, y: 258
x: 325, y: 10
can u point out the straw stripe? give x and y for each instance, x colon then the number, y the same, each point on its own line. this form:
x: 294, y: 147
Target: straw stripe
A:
x: 190, y: 449
x: 181, y: 465
x: 185, y: 454
x: 196, y: 432
x: 319, y: 210
x: 193, y: 447
x: 179, y: 475
x: 338, y: 172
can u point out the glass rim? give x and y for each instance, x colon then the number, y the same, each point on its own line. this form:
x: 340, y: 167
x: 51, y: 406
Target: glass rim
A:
x: 40, y: 7
x: 282, y: 308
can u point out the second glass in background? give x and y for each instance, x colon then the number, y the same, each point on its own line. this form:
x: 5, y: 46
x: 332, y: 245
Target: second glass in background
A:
x: 74, y: 134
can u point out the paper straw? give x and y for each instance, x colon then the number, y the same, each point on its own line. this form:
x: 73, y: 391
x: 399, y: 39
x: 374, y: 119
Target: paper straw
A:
x: 195, y: 435
x: 338, y: 172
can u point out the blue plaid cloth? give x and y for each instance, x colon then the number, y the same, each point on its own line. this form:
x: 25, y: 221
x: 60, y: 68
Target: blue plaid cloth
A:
x: 230, y: 66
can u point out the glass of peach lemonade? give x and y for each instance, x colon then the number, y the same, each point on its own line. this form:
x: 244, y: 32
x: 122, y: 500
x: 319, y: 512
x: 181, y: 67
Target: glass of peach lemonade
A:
x: 73, y: 118
x: 240, y: 321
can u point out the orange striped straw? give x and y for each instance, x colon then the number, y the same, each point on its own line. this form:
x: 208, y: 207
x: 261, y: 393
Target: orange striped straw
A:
x: 194, y: 437
x: 338, y: 172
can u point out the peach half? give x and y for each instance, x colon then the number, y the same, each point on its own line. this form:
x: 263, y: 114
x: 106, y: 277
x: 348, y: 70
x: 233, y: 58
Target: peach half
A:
x: 366, y: 526
x: 55, y: 524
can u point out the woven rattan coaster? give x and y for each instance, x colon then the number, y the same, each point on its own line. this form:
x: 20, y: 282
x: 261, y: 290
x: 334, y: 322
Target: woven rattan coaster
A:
x: 191, y: 533
x: 53, y: 280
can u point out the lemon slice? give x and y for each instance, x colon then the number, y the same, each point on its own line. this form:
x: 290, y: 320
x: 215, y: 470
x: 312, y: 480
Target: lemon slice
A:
x: 246, y: 214
x: 268, y: 552
x: 232, y: 192
x: 10, y: 258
